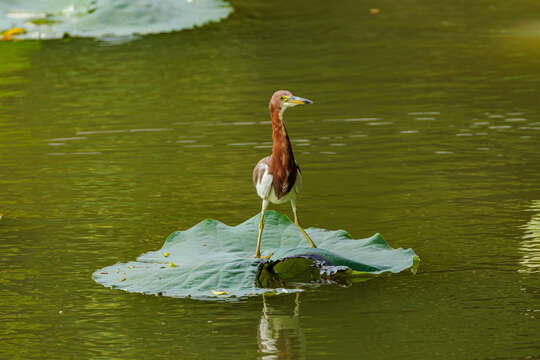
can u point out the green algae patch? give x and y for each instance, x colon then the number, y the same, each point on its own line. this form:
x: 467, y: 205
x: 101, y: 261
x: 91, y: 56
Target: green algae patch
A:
x: 215, y: 261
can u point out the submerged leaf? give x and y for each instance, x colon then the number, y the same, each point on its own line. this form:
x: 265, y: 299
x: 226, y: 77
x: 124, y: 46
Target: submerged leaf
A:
x: 309, y: 268
x: 227, y: 263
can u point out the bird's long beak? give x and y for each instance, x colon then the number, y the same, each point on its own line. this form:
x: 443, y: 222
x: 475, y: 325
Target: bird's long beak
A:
x: 298, y: 100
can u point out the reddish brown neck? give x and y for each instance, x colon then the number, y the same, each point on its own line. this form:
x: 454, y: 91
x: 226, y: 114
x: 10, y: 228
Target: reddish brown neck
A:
x: 282, y: 167
x: 281, y: 150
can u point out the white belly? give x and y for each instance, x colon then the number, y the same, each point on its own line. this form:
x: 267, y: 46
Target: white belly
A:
x: 291, y: 195
x: 265, y: 188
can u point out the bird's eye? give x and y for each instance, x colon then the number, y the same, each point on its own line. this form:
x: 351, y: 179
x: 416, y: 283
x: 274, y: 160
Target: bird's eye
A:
x: 283, y: 98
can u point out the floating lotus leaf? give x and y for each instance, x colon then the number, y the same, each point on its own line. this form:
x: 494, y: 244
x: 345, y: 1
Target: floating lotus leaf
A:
x: 107, y: 19
x: 215, y: 261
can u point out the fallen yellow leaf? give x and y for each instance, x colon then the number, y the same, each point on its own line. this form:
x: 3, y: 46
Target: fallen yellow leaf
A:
x: 7, y: 35
x: 218, y: 292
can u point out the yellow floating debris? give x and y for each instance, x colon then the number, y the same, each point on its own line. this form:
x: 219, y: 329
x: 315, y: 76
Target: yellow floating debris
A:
x: 374, y: 11
x: 123, y: 279
x: 172, y: 264
x: 166, y: 254
x: 131, y: 267
x: 8, y: 34
x: 218, y: 292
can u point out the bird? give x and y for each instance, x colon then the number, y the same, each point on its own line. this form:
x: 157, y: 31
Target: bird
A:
x: 277, y: 178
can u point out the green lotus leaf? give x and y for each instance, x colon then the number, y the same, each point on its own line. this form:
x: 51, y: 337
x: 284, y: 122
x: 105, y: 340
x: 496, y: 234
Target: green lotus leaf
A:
x: 215, y: 261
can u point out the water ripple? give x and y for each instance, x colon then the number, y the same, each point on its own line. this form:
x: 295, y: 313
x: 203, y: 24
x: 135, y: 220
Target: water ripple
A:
x: 379, y: 123
x: 69, y: 138
x: 443, y: 152
x: 76, y: 153
x: 530, y: 244
x: 352, y: 119
x: 93, y: 132
x: 242, y: 144
x: 480, y: 123
x: 198, y: 145
x: 424, y: 113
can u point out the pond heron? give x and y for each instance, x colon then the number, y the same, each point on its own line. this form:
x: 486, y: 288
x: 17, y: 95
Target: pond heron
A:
x: 277, y: 177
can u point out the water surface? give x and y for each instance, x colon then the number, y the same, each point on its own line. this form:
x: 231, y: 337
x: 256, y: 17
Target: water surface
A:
x: 425, y: 128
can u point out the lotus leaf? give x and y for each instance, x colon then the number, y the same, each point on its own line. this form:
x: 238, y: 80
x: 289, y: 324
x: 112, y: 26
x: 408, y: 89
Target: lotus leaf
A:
x: 215, y: 261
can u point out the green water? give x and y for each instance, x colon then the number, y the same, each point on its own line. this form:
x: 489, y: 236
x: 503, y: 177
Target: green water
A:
x: 425, y: 128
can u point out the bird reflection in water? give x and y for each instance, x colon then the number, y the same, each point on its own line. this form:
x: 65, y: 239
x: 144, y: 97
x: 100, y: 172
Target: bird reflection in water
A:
x: 280, y: 335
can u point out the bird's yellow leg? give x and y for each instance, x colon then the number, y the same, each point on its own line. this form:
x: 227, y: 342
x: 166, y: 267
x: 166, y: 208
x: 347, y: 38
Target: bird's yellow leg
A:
x: 258, y: 251
x: 259, y: 240
x: 300, y: 227
x: 303, y: 232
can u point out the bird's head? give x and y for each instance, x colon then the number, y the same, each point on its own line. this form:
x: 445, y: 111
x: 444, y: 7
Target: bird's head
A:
x: 283, y: 99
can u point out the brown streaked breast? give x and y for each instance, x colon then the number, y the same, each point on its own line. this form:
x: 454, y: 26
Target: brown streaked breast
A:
x: 284, y: 176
